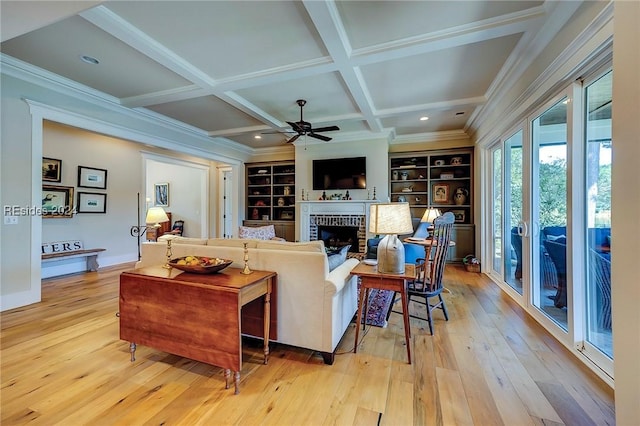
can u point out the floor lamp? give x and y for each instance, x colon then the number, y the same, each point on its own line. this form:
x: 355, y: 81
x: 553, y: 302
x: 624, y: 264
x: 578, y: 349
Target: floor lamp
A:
x: 390, y: 219
x: 155, y: 216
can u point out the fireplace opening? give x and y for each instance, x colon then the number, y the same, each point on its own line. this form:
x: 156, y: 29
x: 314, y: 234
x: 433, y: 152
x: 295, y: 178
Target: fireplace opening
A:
x: 339, y: 236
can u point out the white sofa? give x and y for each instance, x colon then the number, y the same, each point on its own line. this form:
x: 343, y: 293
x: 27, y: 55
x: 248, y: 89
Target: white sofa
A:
x: 315, y: 306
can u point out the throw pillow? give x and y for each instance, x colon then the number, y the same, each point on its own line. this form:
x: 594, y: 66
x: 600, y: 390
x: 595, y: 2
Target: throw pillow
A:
x: 257, y: 232
x: 337, y: 258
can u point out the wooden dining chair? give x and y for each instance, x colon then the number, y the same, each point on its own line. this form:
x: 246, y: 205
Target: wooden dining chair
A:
x: 427, y: 283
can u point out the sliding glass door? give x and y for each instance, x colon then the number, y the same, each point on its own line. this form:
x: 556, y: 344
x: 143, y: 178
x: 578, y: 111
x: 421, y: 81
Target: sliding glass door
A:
x: 549, y: 212
x: 550, y: 209
x: 597, y: 302
x: 506, y: 211
x: 514, y: 224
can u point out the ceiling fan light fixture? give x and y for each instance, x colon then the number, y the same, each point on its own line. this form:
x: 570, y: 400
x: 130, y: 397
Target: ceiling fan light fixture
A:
x: 304, y: 128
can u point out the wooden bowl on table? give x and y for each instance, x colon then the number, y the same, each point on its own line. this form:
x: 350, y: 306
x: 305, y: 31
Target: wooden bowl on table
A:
x: 201, y: 264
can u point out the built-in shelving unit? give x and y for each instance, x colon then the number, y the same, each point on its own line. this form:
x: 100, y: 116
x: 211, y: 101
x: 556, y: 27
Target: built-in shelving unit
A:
x: 271, y: 196
x: 441, y: 179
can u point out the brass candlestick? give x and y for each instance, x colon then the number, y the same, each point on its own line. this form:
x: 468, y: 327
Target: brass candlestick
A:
x: 169, y: 254
x: 246, y: 269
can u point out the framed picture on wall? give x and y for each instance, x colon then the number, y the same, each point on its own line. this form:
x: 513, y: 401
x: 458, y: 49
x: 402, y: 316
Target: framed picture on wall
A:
x: 459, y: 215
x: 57, y: 201
x: 51, y: 169
x: 89, y: 177
x: 92, y: 202
x: 161, y: 195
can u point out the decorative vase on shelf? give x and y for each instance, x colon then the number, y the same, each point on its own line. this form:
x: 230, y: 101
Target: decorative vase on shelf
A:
x: 394, y: 175
x: 460, y: 196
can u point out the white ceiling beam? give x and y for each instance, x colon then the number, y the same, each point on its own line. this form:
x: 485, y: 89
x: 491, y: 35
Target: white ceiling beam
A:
x: 474, y: 32
x: 432, y: 106
x: 326, y: 19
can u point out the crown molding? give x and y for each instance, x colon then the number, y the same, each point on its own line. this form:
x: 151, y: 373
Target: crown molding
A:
x: 431, y: 137
x: 26, y: 72
x: 561, y: 70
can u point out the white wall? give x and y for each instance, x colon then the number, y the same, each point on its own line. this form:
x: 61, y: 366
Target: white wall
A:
x: 625, y: 202
x: 188, y: 188
x: 376, y: 152
x: 122, y: 160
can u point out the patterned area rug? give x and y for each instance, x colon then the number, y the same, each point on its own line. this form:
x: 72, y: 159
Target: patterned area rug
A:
x: 379, y: 302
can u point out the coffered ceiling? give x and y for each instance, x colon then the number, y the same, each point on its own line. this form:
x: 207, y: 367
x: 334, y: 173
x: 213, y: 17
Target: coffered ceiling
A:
x: 234, y: 69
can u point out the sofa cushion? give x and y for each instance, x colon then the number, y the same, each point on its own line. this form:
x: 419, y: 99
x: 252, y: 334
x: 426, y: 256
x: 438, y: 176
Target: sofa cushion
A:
x: 232, y: 242
x: 338, y: 257
x: 312, y: 246
x: 258, y: 232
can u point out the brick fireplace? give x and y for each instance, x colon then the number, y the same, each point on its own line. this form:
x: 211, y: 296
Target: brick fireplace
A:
x: 316, y: 216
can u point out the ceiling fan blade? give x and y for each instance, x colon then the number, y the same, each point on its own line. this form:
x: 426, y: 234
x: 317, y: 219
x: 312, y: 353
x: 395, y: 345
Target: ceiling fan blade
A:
x: 273, y: 132
x: 293, y: 138
x: 294, y: 126
x: 321, y: 137
x: 326, y: 129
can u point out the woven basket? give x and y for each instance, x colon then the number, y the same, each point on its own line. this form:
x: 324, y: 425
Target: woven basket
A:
x: 472, y: 267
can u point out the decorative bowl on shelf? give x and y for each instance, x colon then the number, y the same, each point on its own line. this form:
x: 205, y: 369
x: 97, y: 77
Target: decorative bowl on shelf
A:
x: 200, y: 264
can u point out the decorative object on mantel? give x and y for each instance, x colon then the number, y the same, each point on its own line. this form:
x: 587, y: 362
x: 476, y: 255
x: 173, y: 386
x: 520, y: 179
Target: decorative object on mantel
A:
x: 374, y: 193
x: 246, y: 270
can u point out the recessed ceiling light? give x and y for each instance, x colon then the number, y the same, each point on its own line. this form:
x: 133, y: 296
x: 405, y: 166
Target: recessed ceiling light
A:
x: 425, y: 118
x: 89, y: 59
x: 257, y: 137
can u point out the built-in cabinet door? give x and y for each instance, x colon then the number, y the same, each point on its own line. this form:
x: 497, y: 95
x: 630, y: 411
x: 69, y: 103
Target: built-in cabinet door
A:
x: 463, y: 236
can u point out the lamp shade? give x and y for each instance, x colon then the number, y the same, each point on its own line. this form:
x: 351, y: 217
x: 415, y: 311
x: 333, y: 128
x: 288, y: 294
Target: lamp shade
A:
x: 390, y: 218
x: 430, y: 214
x: 156, y: 215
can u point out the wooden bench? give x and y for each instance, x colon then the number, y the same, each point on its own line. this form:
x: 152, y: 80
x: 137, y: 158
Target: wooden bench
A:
x: 68, y: 250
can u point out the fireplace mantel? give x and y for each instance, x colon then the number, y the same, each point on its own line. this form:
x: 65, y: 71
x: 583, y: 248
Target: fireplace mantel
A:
x: 330, y: 207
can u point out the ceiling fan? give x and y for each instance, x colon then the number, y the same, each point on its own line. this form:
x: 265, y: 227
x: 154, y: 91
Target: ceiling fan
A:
x: 303, y: 128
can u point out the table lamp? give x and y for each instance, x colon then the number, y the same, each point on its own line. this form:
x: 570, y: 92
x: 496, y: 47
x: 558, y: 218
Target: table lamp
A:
x: 155, y: 216
x: 390, y: 219
x: 429, y: 216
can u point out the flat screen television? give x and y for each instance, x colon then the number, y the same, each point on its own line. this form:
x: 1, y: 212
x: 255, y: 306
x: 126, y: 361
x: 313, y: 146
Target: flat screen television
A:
x: 340, y: 173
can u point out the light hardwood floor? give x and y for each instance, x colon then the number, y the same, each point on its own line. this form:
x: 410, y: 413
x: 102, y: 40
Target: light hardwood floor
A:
x: 63, y: 363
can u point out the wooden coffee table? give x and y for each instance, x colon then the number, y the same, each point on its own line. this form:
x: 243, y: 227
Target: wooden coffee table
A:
x: 197, y: 316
